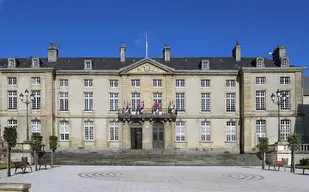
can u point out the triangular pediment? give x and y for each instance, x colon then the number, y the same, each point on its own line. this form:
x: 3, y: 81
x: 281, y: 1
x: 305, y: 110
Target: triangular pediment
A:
x: 146, y: 66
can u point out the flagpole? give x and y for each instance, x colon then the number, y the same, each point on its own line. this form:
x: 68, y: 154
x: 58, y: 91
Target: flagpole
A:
x: 146, y: 46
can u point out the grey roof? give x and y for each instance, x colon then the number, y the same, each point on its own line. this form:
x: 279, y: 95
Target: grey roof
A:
x: 305, y: 85
x: 185, y: 63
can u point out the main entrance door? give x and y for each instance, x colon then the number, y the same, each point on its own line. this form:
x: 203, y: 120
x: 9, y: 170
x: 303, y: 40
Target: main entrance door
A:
x: 158, y: 135
x: 136, y: 136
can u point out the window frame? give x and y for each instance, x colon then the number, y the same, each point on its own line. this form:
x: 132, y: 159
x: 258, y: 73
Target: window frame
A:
x: 205, y: 131
x: 180, y: 131
x: 88, y: 130
x: 64, y: 130
x: 231, y: 132
x: 114, y: 131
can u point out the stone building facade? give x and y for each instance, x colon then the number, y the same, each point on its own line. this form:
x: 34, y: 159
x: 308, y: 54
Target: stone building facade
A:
x: 206, y: 103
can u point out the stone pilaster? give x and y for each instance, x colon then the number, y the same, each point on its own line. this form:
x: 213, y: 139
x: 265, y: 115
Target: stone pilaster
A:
x: 126, y: 140
x: 168, y: 135
x: 147, y: 135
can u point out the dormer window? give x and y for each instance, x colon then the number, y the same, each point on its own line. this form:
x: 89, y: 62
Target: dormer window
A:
x: 284, y: 62
x: 11, y: 62
x: 35, y: 62
x: 88, y: 64
x: 205, y: 64
x: 260, y: 62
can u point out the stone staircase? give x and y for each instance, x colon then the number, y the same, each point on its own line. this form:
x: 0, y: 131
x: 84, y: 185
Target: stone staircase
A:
x: 152, y: 158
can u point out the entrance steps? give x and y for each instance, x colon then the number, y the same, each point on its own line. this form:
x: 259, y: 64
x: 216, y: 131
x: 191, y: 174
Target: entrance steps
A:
x: 153, y: 157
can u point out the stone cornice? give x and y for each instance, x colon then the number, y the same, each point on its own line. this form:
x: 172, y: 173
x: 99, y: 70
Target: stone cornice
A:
x: 26, y: 70
x: 272, y: 69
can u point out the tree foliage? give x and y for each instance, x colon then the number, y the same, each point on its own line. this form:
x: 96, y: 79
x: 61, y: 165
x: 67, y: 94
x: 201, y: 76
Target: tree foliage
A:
x: 53, y: 143
x: 10, y: 137
x: 294, y: 140
x: 36, y: 142
x: 263, y: 146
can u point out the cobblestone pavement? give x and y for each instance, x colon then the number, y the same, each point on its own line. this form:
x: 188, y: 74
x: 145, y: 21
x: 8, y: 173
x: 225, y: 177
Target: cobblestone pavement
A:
x: 160, y: 179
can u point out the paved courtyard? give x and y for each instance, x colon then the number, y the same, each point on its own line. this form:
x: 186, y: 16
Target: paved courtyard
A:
x: 160, y: 179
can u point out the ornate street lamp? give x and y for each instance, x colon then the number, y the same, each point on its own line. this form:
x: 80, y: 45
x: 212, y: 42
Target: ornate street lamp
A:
x: 278, y: 99
x: 25, y: 98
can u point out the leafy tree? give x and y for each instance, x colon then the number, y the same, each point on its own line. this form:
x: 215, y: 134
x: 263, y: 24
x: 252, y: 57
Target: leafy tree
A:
x: 10, y: 137
x: 53, y: 147
x: 294, y: 140
x: 36, y: 145
x: 263, y: 146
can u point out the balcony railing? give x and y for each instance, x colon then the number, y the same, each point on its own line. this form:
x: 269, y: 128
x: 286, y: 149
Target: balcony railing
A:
x: 163, y: 113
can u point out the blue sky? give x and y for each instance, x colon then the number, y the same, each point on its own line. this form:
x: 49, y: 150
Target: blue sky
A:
x: 96, y: 28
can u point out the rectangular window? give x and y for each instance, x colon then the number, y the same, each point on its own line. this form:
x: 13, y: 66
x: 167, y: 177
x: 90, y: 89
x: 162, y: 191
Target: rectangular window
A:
x: 285, y: 80
x: 260, y: 80
x: 285, y: 129
x: 136, y: 99
x: 64, y: 131
x: 180, y: 83
x: 180, y: 102
x: 285, y: 100
x: 180, y: 131
x: 36, y: 102
x: 113, y: 131
x: 64, y: 101
x: 88, y: 128
x: 36, y: 126
x: 157, y: 82
x: 12, y: 81
x: 205, y: 83
x: 260, y: 129
x: 88, y: 98
x: 157, y: 98
x: 35, y: 80
x: 12, y: 99
x: 135, y: 83
x: 205, y: 102
x: 205, y: 136
x: 230, y: 102
x: 260, y: 100
x: 88, y: 83
x: 63, y: 82
x: 12, y: 123
x: 113, y: 101
x: 113, y: 83
x: 230, y: 83
x: 231, y: 131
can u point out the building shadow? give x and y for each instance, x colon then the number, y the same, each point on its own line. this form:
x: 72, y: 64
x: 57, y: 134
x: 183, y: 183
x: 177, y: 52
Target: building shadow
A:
x: 302, y: 122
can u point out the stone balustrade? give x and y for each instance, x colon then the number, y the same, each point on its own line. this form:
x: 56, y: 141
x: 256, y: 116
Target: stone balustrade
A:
x: 14, y: 187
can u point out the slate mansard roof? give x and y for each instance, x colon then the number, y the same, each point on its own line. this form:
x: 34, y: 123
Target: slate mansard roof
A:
x: 186, y: 63
x: 235, y: 62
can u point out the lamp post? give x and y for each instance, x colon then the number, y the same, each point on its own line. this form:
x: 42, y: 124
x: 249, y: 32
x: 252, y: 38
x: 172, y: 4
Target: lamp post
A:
x: 27, y: 100
x: 280, y: 98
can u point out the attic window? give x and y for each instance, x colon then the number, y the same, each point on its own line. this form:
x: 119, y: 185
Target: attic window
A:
x: 35, y: 62
x: 260, y: 62
x: 284, y: 62
x: 11, y: 62
x: 88, y: 64
x: 205, y: 64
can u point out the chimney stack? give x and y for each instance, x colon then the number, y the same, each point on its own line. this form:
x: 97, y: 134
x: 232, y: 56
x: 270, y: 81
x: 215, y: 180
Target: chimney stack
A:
x: 279, y: 52
x: 237, y: 52
x: 166, y: 53
x: 122, y: 53
x: 52, y: 53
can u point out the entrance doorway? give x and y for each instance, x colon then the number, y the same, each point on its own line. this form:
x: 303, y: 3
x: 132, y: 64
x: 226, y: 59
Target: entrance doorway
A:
x: 136, y: 136
x: 158, y: 135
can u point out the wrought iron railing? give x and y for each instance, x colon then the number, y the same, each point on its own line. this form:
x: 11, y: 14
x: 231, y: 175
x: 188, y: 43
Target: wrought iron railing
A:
x: 147, y: 113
